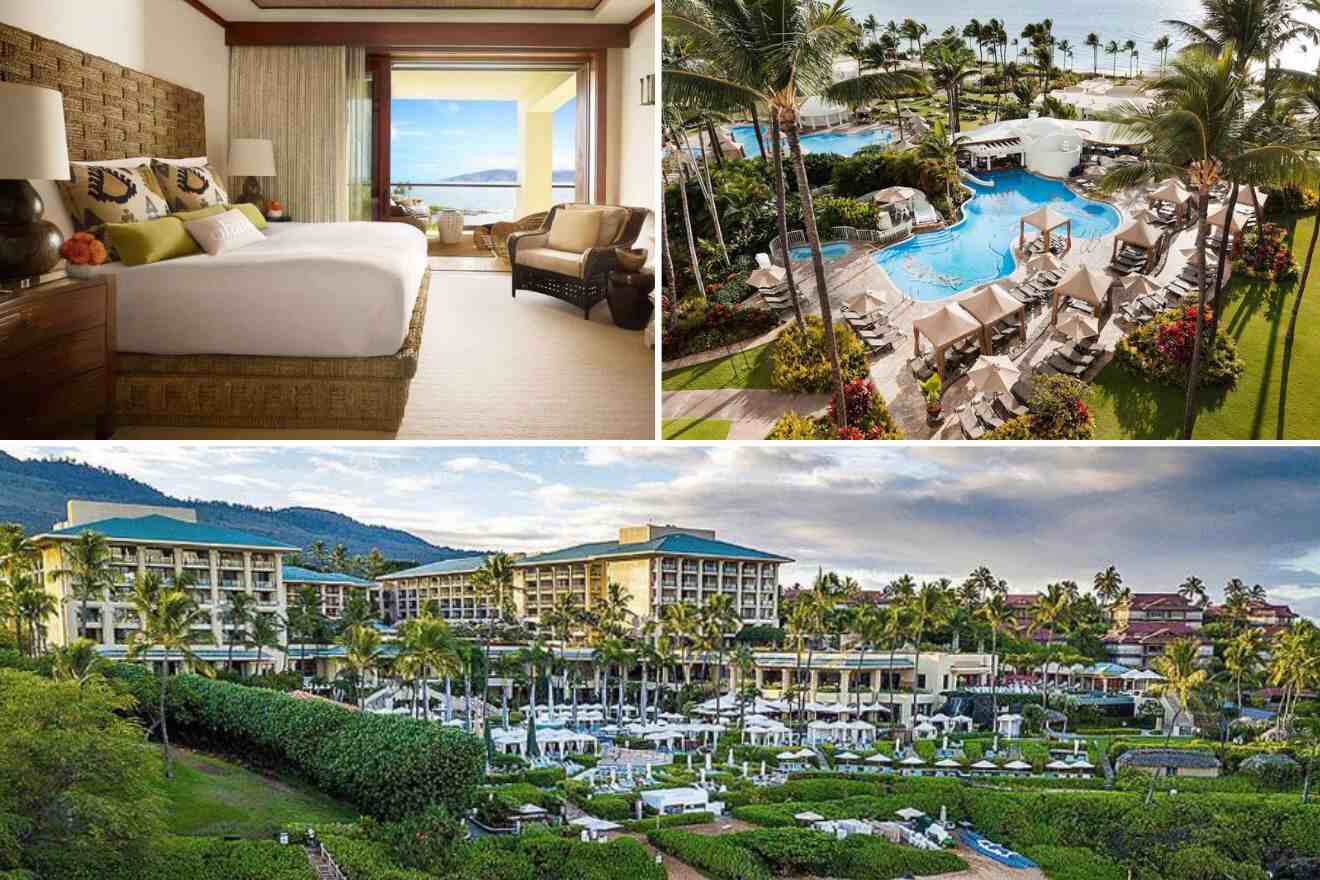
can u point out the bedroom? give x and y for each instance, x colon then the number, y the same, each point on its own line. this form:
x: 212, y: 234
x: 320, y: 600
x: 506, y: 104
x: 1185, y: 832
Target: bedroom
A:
x: 328, y: 218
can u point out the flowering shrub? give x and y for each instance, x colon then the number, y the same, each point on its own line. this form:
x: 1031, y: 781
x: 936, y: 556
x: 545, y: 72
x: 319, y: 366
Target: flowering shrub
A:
x: 868, y: 419
x: 1265, y: 254
x: 1162, y: 350
x: 799, y: 362
x: 1056, y: 411
x: 699, y: 326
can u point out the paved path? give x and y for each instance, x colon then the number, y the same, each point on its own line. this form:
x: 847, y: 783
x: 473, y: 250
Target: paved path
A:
x: 753, y: 411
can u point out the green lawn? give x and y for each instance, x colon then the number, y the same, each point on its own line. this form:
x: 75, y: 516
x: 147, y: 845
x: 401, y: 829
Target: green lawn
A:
x: 1274, y: 399
x: 695, y: 429
x: 210, y: 796
x: 746, y: 369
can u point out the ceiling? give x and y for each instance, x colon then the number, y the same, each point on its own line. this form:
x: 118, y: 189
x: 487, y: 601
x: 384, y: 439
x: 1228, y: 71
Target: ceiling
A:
x: 560, y: 11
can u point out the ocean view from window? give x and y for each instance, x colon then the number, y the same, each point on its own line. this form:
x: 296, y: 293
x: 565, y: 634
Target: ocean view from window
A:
x: 432, y: 142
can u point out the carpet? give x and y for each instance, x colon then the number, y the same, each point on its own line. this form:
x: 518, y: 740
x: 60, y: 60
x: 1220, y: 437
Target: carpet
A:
x: 464, y: 256
x: 497, y: 368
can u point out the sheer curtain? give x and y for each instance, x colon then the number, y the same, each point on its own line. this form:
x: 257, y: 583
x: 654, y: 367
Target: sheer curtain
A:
x: 297, y: 96
x: 359, y: 134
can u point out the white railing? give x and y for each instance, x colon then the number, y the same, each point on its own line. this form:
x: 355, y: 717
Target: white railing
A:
x: 329, y: 861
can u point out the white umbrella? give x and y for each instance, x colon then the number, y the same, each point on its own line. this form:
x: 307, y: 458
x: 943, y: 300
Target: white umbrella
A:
x: 1079, y: 326
x: 1142, y: 285
x: 994, y: 374
x: 866, y: 302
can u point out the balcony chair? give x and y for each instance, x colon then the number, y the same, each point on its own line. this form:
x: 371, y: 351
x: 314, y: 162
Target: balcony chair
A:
x: 563, y: 264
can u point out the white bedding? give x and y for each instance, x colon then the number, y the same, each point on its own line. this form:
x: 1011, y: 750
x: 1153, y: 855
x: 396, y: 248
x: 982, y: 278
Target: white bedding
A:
x: 308, y: 290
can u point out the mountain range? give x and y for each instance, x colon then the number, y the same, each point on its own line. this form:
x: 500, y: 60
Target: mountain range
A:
x: 509, y: 175
x: 34, y: 493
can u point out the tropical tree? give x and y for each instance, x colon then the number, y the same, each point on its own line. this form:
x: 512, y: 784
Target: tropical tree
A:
x: 997, y: 617
x: 1113, y: 48
x: 1193, y: 591
x: 240, y: 608
x: 1093, y: 43
x: 86, y: 570
x: 926, y: 609
x: 951, y: 65
x: 1199, y: 130
x: 493, y: 584
x: 362, y: 650
x: 895, y: 626
x: 1161, y: 45
x: 867, y: 626
x: 32, y: 606
x: 166, y: 616
x: 1183, y: 676
x: 1294, y: 667
x: 719, y: 617
x: 265, y: 634
x: 1242, y: 658
x: 1108, y: 586
x: 1130, y: 47
x: 78, y: 661
x: 431, y: 649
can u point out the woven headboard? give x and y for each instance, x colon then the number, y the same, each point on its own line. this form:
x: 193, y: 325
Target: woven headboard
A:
x: 110, y: 111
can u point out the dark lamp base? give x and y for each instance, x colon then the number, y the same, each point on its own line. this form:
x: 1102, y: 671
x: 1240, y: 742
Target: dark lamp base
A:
x: 251, y: 193
x: 28, y: 245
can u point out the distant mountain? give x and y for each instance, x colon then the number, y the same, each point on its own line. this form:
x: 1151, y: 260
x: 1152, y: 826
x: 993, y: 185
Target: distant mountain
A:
x: 509, y: 175
x: 34, y: 493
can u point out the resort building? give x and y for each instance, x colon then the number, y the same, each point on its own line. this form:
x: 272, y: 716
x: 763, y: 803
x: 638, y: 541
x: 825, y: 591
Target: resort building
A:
x: 169, y: 542
x: 1042, y: 145
x: 333, y: 587
x: 1271, y: 617
x: 448, y: 583
x: 657, y: 566
x: 1158, y: 607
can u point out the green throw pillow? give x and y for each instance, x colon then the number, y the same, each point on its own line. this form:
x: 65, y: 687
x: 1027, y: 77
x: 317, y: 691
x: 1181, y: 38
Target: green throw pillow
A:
x: 252, y: 212
x: 199, y: 214
x: 151, y: 241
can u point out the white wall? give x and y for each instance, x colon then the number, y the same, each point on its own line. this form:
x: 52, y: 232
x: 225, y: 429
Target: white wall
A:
x: 633, y: 157
x: 164, y: 38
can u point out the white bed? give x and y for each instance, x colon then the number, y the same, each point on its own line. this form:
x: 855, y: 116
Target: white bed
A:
x: 308, y: 290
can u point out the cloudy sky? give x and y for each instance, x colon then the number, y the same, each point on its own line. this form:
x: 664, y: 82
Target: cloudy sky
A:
x: 1032, y: 514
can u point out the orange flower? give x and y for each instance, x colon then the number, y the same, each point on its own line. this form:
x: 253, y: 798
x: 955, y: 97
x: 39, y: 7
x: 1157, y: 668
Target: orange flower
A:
x: 97, y: 252
x: 77, y: 251
x: 84, y: 236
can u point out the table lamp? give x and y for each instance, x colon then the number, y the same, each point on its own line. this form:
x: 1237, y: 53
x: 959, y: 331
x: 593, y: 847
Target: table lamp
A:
x: 252, y: 158
x: 32, y: 147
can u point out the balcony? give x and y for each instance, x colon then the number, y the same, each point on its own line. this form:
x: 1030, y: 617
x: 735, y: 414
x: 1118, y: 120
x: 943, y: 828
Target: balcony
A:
x: 196, y: 560
x: 230, y: 561
x: 263, y: 563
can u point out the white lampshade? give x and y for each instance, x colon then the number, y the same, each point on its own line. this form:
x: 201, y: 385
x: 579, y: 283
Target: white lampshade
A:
x: 32, y: 140
x: 251, y: 157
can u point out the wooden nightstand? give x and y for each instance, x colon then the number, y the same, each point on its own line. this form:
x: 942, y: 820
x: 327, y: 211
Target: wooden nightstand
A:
x: 57, y: 344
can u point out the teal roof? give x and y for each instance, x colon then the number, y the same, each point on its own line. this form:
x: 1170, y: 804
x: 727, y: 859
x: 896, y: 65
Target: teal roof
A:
x: 167, y: 530
x: 676, y: 544
x: 1105, y: 668
x: 444, y: 566
x: 294, y: 574
x: 209, y: 653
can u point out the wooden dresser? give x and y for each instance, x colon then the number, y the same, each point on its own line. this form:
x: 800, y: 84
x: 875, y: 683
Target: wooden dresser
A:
x: 57, y: 359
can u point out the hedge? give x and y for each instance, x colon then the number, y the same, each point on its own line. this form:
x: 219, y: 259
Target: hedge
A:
x: 717, y: 858
x: 1075, y: 863
x: 196, y: 858
x: 386, y: 765
x: 614, y: 807
x: 362, y: 859
x: 674, y: 820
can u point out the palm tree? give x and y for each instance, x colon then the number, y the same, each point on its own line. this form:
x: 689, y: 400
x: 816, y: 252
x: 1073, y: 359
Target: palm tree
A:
x: 166, y: 616
x: 1199, y: 129
x: 1108, y: 586
x: 1066, y: 50
x: 362, y: 648
x: 777, y: 54
x: 239, y: 610
x: 681, y: 622
x: 86, y: 566
x: 1161, y: 45
x: 1112, y: 48
x: 1193, y: 591
x: 871, y: 26
x: 894, y: 628
x: 1242, y: 658
x: 925, y: 609
x: 950, y: 67
x: 78, y: 661
x: 867, y: 624
x: 493, y: 584
x: 265, y: 634
x: 942, y: 147
x: 997, y: 616
x: 1179, y: 664
x: 1130, y: 47
x: 799, y: 630
x: 1294, y: 667
x: 432, y: 650
x: 34, y: 606
x: 1093, y: 42
x: 719, y: 617
x: 671, y: 123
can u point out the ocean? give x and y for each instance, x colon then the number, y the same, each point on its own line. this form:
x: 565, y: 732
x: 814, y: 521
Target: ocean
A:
x: 481, y: 204
x: 1120, y: 20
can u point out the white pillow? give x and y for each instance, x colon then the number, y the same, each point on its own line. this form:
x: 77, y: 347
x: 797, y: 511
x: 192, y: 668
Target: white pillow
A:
x: 118, y: 163
x: 574, y: 231
x: 220, y: 233
x: 194, y: 162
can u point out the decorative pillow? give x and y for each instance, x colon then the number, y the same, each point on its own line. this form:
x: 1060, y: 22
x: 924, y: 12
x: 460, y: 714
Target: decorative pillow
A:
x: 185, y: 216
x: 224, y: 232
x: 612, y: 220
x: 574, y: 231
x: 99, y: 194
x: 250, y: 211
x: 188, y: 187
x: 152, y: 241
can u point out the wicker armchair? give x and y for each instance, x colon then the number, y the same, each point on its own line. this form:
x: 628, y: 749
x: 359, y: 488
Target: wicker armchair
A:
x: 415, y: 216
x: 581, y: 279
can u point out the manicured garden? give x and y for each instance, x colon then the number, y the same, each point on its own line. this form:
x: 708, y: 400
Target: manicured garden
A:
x: 1274, y: 397
x: 695, y: 429
x: 745, y: 369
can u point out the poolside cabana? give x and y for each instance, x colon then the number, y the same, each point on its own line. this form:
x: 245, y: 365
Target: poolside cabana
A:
x: 912, y: 765
x: 943, y: 328
x: 1045, y: 219
x: 816, y: 112
x: 991, y: 304
x: 846, y: 762
x: 1173, y: 192
x: 1018, y: 767
x: 983, y: 767
x: 1086, y: 285
x: 947, y: 767
x: 1141, y: 235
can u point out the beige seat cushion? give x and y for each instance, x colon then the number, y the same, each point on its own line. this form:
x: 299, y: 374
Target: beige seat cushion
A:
x: 551, y: 260
x: 575, y: 231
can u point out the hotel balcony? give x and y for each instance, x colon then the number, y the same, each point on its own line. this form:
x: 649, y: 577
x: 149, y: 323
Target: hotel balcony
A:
x: 263, y: 563
x: 230, y: 561
x: 127, y: 555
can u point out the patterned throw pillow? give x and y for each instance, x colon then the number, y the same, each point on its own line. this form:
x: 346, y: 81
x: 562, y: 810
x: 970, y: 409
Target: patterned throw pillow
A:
x: 98, y: 194
x: 188, y: 187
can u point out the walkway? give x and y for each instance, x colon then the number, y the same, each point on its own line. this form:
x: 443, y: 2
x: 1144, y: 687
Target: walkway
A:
x: 753, y: 411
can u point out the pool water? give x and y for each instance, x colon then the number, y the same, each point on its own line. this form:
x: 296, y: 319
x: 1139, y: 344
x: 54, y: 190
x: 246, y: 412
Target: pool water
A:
x: 843, y: 143
x: 830, y: 251
x: 980, y: 249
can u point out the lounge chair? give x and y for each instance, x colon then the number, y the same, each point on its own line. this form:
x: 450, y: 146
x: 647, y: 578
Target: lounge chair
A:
x: 986, y: 413
x: 1010, y: 407
x: 1022, y: 389
x: 1065, y: 366
x: 1077, y: 357
x: 971, y: 426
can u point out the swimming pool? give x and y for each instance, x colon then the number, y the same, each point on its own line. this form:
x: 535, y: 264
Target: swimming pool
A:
x: 980, y: 248
x: 843, y: 143
x: 829, y: 251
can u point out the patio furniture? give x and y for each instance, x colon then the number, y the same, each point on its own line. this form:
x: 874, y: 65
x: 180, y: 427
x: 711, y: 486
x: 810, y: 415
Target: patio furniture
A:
x: 579, y: 277
x: 1065, y: 366
x: 415, y: 215
x: 1010, y: 406
x: 971, y: 426
x: 449, y: 225
x: 496, y: 236
x: 629, y: 298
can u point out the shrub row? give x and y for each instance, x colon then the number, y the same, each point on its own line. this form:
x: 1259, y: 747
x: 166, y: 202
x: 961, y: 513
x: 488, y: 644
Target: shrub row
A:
x: 196, y: 858
x: 388, y: 766
x: 675, y: 820
x: 717, y: 858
